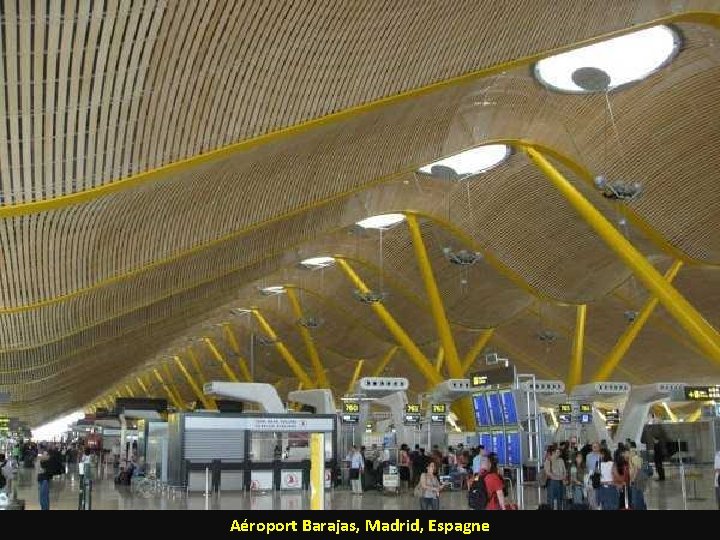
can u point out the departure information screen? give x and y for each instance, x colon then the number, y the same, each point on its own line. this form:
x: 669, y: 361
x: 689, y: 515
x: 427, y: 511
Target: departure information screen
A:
x: 513, y: 448
x: 499, y: 445
x: 702, y: 393
x: 585, y: 418
x: 482, y: 415
x: 496, y: 410
x: 612, y: 417
x: 486, y: 440
x: 509, y: 409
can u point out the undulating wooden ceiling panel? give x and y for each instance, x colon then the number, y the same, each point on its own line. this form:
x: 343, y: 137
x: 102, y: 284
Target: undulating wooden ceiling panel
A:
x: 96, y: 94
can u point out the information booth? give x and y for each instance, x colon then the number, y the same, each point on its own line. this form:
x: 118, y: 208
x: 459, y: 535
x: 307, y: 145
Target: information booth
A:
x: 246, y: 451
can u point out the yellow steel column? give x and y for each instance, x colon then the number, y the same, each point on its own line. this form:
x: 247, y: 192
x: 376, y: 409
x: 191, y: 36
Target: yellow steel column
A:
x: 129, y: 390
x: 141, y: 384
x: 213, y: 349
x: 196, y: 365
x: 195, y: 388
x: 171, y: 382
x: 244, y: 371
x: 165, y: 387
x: 356, y: 376
x: 617, y: 353
x: 415, y: 354
x: 385, y: 361
x: 464, y: 408
x: 317, y: 471
x: 576, y: 362
x: 313, y: 355
x: 292, y: 363
x: 482, y: 341
x: 439, y: 359
x: 701, y: 331
x: 436, y: 305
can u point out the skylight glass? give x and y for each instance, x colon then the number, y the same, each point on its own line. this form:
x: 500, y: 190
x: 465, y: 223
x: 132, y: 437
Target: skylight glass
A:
x: 610, y: 64
x: 277, y: 289
x: 473, y: 161
x: 318, y: 262
x: 383, y: 221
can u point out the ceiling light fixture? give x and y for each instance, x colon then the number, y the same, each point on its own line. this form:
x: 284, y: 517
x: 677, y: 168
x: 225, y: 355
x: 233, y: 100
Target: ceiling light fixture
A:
x: 313, y: 263
x: 382, y: 221
x: 462, y: 257
x: 370, y: 297
x: 468, y: 163
x: 610, y: 64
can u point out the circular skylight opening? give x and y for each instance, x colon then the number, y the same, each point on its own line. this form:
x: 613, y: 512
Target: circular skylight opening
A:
x: 610, y: 64
x: 276, y: 289
x: 318, y: 262
x: 383, y: 221
x: 470, y: 162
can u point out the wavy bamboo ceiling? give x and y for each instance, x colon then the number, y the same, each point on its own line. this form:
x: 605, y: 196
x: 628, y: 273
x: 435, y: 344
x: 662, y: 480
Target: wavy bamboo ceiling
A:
x: 117, y: 248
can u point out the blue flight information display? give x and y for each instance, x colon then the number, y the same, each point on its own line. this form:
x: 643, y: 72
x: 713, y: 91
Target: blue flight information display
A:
x: 487, y: 441
x: 482, y: 416
x: 496, y: 409
x: 509, y: 409
x: 499, y: 445
x: 513, y: 448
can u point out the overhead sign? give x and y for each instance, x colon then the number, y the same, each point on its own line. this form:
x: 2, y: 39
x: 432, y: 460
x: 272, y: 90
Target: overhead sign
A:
x: 565, y: 408
x: 585, y: 418
x: 412, y: 413
x: 565, y: 418
x: 438, y: 412
x: 612, y: 417
x: 351, y: 412
x: 586, y: 408
x: 702, y: 393
x: 492, y: 377
x: 302, y: 424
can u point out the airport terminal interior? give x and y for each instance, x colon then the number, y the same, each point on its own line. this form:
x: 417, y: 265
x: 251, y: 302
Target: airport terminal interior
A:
x: 378, y: 254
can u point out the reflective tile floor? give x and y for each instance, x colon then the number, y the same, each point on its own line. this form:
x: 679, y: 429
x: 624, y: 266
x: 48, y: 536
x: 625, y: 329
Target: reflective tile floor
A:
x: 106, y: 496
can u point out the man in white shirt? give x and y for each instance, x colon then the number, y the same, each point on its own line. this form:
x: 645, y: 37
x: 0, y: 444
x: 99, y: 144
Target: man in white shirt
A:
x: 717, y: 477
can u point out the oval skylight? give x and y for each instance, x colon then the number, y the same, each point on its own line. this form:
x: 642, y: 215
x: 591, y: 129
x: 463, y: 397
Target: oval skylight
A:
x: 470, y: 162
x: 318, y: 262
x: 276, y: 289
x: 383, y: 221
x: 610, y: 64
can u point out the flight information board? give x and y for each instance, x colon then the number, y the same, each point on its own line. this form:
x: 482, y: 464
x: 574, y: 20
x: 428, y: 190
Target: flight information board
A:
x: 585, y: 418
x: 565, y: 413
x: 500, y: 446
x: 509, y: 408
x: 482, y: 415
x: 486, y: 441
x: 702, y: 393
x: 513, y: 448
x: 495, y: 408
x: 612, y: 417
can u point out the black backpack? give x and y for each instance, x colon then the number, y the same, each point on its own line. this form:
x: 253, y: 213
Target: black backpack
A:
x: 478, y: 495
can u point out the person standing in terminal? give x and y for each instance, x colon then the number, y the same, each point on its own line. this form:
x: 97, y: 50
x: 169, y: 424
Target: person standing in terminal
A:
x: 43, y: 479
x: 592, y: 463
x: 607, y: 494
x: 356, y: 469
x: 658, y: 458
x: 429, y: 489
x: 557, y: 476
x: 404, y: 467
x: 717, y: 477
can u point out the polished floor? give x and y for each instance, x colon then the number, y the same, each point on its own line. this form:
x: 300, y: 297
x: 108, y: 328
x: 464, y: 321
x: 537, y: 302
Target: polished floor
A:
x: 64, y: 494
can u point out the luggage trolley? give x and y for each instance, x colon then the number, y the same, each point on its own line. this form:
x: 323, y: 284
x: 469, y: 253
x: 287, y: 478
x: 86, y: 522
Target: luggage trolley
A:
x: 391, y: 480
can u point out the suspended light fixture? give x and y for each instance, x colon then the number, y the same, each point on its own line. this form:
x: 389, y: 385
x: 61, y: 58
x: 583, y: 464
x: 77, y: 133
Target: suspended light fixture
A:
x: 610, y: 64
x: 382, y: 221
x: 311, y: 322
x: 468, y: 163
x: 462, y: 257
